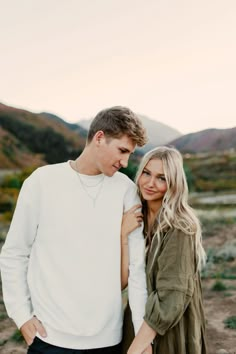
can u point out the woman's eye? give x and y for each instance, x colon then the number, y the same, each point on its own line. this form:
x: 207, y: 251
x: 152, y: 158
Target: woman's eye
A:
x: 162, y: 179
x: 146, y: 173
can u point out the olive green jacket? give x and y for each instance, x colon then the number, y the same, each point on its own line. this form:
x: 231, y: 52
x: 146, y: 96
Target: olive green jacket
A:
x: 174, y: 306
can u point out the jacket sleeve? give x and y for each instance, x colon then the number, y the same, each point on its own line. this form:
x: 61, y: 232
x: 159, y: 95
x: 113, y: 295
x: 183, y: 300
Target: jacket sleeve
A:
x: 137, y: 288
x: 16, y: 251
x: 167, y: 303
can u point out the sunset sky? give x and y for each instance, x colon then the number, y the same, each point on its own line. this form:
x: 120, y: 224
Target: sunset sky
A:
x: 172, y: 60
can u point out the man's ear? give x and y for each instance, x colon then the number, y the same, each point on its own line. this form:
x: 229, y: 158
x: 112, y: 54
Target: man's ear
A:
x: 99, y: 136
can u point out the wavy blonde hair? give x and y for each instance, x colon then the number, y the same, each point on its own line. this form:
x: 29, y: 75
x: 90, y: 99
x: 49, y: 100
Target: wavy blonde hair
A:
x: 175, y: 211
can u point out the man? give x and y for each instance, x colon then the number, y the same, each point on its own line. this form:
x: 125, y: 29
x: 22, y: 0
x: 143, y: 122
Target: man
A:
x: 61, y: 260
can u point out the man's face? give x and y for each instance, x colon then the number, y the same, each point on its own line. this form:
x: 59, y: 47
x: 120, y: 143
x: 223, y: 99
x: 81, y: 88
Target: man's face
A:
x: 113, y: 153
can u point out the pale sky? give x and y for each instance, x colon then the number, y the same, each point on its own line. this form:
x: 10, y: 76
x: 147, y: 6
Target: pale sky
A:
x: 172, y: 60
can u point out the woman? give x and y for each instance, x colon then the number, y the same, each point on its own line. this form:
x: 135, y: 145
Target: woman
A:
x: 174, y: 319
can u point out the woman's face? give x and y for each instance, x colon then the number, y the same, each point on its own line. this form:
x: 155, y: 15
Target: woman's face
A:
x: 152, y: 182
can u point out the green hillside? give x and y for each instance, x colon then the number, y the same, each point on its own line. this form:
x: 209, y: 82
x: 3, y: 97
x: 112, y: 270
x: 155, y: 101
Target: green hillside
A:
x: 211, y: 171
x: 28, y: 139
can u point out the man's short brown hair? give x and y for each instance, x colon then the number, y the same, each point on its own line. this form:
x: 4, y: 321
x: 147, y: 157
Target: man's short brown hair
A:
x: 116, y: 122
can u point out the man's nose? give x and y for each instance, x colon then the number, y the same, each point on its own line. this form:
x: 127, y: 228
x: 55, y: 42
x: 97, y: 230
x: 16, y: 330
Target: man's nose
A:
x: 124, y: 161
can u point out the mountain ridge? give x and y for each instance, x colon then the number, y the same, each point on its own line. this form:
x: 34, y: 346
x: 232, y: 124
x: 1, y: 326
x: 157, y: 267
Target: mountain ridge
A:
x: 158, y: 133
x: 28, y: 138
x: 208, y: 140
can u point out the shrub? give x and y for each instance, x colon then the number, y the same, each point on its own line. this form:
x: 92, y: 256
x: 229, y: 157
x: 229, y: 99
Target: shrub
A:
x: 227, y: 253
x: 3, y: 316
x: 17, y: 336
x: 2, y: 342
x: 219, y: 286
x: 11, y: 181
x: 230, y: 322
x: 225, y: 275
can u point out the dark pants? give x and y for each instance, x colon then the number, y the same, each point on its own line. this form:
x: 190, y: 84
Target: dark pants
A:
x: 128, y: 330
x: 40, y: 347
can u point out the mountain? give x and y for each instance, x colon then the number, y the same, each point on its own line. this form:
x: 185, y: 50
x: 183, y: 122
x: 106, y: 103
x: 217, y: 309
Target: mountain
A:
x: 72, y: 126
x: 31, y: 139
x: 208, y: 140
x: 158, y: 133
x: 28, y: 138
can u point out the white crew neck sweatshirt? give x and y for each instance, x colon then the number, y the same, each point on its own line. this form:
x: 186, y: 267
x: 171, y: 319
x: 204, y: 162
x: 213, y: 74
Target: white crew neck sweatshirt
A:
x: 61, y: 258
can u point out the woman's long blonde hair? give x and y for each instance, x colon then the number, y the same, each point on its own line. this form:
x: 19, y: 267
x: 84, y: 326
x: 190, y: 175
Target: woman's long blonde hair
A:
x: 175, y: 211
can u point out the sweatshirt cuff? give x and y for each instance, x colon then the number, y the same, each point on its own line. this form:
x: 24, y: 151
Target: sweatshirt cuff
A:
x: 22, y: 316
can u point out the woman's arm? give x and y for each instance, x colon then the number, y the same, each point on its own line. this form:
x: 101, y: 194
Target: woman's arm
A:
x: 174, y: 283
x: 167, y: 303
x: 132, y: 219
x: 141, y: 343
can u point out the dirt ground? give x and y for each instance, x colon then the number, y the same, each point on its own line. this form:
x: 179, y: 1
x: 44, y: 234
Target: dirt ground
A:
x: 218, y: 306
x: 217, y: 309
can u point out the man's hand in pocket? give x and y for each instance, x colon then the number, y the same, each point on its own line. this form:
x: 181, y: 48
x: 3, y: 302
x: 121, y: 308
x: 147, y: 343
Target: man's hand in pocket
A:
x: 30, y: 328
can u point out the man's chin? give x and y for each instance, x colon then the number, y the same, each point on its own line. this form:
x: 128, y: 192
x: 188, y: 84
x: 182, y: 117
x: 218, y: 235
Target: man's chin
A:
x: 111, y: 172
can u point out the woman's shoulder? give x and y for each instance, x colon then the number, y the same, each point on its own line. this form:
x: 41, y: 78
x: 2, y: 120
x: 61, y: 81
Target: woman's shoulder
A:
x: 176, y: 237
x: 177, y: 233
x: 177, y: 250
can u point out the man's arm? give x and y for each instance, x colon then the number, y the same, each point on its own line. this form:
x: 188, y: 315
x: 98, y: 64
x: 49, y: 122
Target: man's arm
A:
x: 137, y: 289
x: 16, y: 251
x: 132, y: 219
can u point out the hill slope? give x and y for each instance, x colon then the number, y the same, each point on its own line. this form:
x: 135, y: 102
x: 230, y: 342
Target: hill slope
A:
x: 34, y: 139
x: 72, y: 126
x: 208, y: 140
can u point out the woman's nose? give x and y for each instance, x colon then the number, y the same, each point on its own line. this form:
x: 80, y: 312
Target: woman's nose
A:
x: 151, y: 181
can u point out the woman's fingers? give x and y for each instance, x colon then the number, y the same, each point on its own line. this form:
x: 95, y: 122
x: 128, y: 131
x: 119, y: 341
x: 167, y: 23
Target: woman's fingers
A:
x: 138, y: 214
x: 132, y: 219
x: 134, y: 208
